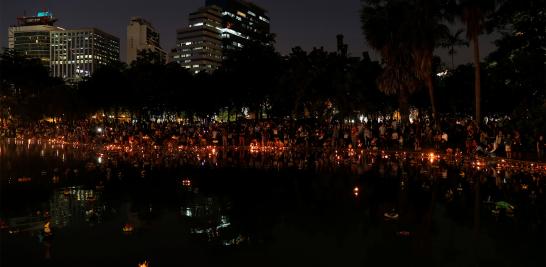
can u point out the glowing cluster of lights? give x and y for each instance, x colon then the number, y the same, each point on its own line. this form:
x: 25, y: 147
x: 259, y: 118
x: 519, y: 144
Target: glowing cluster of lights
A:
x: 186, y: 182
x: 348, y: 155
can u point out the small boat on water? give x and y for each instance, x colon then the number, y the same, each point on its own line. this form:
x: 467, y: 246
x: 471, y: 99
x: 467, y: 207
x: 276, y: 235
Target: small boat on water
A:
x: 128, y: 228
x: 404, y: 233
x: 504, y: 205
x: 392, y: 215
x: 47, y: 230
x: 24, y: 180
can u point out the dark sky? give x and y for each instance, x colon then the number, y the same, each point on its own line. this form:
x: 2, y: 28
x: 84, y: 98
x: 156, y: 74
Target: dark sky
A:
x: 305, y: 23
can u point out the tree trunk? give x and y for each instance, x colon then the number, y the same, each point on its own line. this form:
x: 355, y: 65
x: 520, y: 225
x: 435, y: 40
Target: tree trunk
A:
x: 430, y: 86
x: 477, y: 80
x: 228, y: 113
x: 404, y: 106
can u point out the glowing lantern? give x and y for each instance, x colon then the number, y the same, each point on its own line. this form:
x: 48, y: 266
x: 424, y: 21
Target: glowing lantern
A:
x: 47, y: 229
x: 128, y: 228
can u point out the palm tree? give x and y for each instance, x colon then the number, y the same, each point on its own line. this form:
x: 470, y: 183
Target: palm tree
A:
x: 473, y: 14
x: 385, y: 25
x: 399, y: 29
x: 453, y: 40
x: 427, y: 33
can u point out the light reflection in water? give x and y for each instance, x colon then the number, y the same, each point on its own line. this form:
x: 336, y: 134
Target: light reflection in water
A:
x: 210, y: 220
x: 76, y: 205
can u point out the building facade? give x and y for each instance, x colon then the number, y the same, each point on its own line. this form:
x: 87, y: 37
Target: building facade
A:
x: 76, y: 54
x: 199, y: 46
x: 31, y: 36
x: 242, y: 22
x: 141, y: 35
x: 214, y: 30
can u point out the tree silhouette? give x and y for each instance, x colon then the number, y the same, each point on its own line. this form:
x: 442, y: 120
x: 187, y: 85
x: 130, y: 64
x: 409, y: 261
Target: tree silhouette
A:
x: 473, y: 14
x: 453, y: 40
x: 386, y: 28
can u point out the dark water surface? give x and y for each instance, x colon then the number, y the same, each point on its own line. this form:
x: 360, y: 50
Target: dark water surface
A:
x: 201, y: 216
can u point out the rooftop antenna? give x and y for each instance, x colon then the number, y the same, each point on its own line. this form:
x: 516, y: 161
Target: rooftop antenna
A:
x: 43, y: 5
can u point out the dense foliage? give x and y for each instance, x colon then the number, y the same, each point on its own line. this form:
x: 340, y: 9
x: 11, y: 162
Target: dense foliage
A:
x: 316, y: 83
x: 256, y: 79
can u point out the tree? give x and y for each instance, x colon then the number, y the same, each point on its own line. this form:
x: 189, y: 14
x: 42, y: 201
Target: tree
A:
x: 26, y: 77
x: 516, y: 68
x: 386, y: 28
x: 473, y: 14
x: 27, y: 87
x: 250, y: 75
x: 427, y: 33
x: 456, y: 90
x: 107, y: 88
x: 453, y: 40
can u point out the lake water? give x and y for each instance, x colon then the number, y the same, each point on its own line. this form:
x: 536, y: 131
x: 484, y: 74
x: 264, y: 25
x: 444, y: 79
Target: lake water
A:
x: 390, y: 212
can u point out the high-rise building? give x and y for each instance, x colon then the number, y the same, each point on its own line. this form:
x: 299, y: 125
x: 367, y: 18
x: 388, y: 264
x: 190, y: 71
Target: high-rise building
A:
x: 199, y: 46
x: 77, y: 53
x: 217, y: 28
x: 242, y: 22
x: 141, y: 35
x: 31, y: 36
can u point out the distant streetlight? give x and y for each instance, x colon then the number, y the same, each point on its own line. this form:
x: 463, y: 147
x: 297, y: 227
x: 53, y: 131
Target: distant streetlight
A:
x: 442, y: 74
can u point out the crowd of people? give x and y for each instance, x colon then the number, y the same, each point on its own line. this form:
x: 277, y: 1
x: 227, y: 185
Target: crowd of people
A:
x: 494, y: 138
x: 455, y: 150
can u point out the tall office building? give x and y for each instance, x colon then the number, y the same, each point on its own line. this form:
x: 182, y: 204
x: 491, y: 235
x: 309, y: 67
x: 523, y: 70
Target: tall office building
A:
x: 141, y: 35
x: 242, y: 22
x: 221, y: 26
x: 31, y: 36
x: 199, y: 46
x: 76, y: 54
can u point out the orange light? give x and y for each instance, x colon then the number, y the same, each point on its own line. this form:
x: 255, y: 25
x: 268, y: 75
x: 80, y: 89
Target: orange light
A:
x: 355, y: 191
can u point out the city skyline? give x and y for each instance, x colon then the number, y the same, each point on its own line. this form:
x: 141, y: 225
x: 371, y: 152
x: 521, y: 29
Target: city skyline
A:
x: 295, y: 24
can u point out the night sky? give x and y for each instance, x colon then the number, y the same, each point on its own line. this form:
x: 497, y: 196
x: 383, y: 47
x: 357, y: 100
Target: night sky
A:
x: 305, y: 23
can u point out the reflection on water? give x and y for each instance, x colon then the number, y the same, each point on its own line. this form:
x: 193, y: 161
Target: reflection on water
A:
x: 75, y: 205
x: 412, y: 210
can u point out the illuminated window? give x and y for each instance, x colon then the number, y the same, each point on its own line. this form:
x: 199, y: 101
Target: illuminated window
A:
x: 225, y: 13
